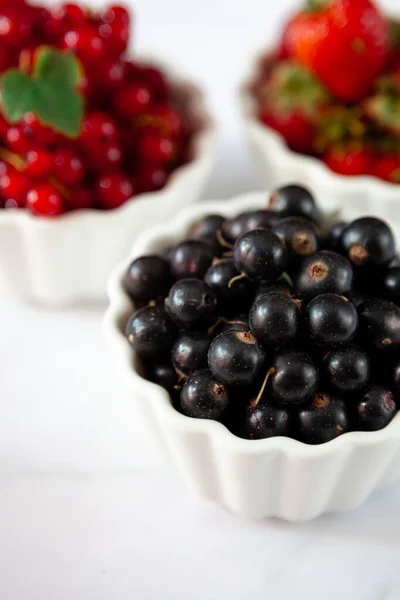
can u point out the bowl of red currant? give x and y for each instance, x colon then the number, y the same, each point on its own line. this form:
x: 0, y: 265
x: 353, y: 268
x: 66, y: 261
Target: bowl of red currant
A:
x: 261, y: 338
x: 95, y: 145
x: 323, y: 109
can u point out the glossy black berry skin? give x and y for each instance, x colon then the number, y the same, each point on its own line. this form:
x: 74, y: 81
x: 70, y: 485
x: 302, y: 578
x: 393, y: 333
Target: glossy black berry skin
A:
x: 151, y: 332
x: 265, y: 421
x: 236, y: 358
x: 333, y: 236
x: 204, y: 397
x: 396, y: 375
x: 191, y: 303
x: 163, y: 374
x: 380, y: 323
x: 374, y: 409
x: 395, y: 262
x: 260, y: 255
x: 323, y: 420
x: 274, y: 319
x: 234, y: 228
x: 190, y: 259
x: 391, y: 284
x: 294, y: 201
x: 301, y: 236
x: 322, y: 273
x: 279, y: 286
x: 148, y: 278
x: 235, y: 323
x: 206, y: 228
x: 347, y: 369
x: 332, y: 320
x: 233, y: 295
x: 294, y: 377
x: 189, y: 352
x: 368, y: 242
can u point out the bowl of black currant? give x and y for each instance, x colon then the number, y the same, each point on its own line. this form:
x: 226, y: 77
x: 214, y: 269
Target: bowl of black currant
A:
x: 261, y: 338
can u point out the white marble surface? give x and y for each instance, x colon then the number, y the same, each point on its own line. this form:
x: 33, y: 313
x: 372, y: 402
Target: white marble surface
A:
x: 88, y: 510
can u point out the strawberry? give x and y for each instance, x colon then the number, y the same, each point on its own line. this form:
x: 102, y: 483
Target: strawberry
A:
x: 387, y: 167
x: 349, y: 159
x: 290, y: 101
x: 338, y: 124
x: 384, y: 110
x: 345, y: 43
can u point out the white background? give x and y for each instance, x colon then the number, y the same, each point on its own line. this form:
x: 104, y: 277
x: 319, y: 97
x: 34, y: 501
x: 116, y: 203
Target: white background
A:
x: 88, y: 511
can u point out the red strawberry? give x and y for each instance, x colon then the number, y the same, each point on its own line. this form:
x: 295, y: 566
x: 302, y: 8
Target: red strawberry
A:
x: 349, y: 159
x: 290, y: 102
x: 338, y: 124
x: 387, y: 167
x: 346, y: 44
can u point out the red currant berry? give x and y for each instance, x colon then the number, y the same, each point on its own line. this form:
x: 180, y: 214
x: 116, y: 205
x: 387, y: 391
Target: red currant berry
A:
x: 132, y: 100
x: 155, y: 149
x: 150, y: 179
x: 68, y: 167
x: 15, y: 26
x: 110, y: 74
x: 10, y: 203
x: 98, y: 127
x: 38, y: 164
x: 105, y: 157
x: 5, y: 58
x: 44, y: 199
x: 168, y: 122
x: 68, y: 15
x: 37, y: 132
x: 17, y: 141
x: 4, y: 125
x: 14, y: 186
x: 85, y: 42
x: 5, y: 168
x: 156, y: 82
x: 115, y: 14
x: 115, y: 36
x: 79, y: 199
x: 114, y: 189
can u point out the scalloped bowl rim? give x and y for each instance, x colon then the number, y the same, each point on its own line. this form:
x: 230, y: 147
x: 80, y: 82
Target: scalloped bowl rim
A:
x: 120, y: 306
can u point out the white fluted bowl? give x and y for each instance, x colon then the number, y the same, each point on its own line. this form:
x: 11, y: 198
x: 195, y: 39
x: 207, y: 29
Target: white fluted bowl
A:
x: 68, y: 259
x: 278, y: 165
x: 277, y: 477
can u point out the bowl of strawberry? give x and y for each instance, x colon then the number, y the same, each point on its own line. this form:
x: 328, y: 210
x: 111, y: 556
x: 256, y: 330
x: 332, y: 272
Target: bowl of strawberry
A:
x: 94, y: 147
x: 323, y: 105
x: 261, y: 339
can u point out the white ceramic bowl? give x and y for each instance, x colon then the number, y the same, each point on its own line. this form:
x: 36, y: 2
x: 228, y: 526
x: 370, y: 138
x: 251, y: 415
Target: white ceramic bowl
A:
x: 278, y: 165
x: 69, y: 258
x: 254, y: 478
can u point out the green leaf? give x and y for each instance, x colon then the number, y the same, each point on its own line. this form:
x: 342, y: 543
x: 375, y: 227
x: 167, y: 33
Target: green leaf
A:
x: 18, y: 95
x: 61, y: 107
x: 57, y: 67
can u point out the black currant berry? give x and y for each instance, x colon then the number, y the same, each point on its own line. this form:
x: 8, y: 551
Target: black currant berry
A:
x: 191, y: 303
x: 265, y: 420
x: 333, y: 236
x: 395, y: 262
x: 380, y: 323
x: 391, y: 284
x: 322, y: 273
x: 150, y: 331
x: 279, y: 286
x: 294, y: 377
x: 301, y: 236
x: 235, y: 357
x: 162, y: 374
x: 189, y: 352
x: 233, y: 293
x: 260, y: 255
x: 235, y: 323
x: 294, y: 201
x: 233, y: 229
x: 274, y: 319
x: 347, y: 369
x: 148, y: 278
x: 332, y: 320
x: 368, y: 242
x: 203, y: 397
x: 374, y: 409
x: 190, y: 259
x: 206, y: 228
x: 323, y: 420
x: 396, y: 375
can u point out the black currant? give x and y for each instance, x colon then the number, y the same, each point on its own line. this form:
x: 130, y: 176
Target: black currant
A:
x: 347, y: 369
x: 368, y: 241
x: 279, y: 286
x: 301, y: 236
x: 396, y: 375
x: 323, y: 420
x: 321, y: 273
x: 395, y: 262
x: 203, y: 397
x: 234, y: 228
x: 294, y: 201
x: 235, y: 357
x: 148, y: 278
x: 293, y: 377
x: 274, y: 319
x: 233, y: 293
x: 391, y: 284
x: 163, y: 374
x: 380, y: 323
x: 260, y: 255
x: 189, y: 352
x: 331, y: 239
x: 190, y: 258
x: 374, y: 409
x: 150, y: 331
x: 191, y: 303
x: 206, y: 228
x: 332, y: 320
x: 264, y: 420
x: 236, y: 323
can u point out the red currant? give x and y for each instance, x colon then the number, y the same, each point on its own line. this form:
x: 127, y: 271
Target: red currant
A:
x: 5, y: 58
x: 80, y: 198
x: 115, y: 13
x: 114, y: 189
x: 44, y: 199
x: 68, y: 167
x: 98, y: 127
x: 16, y: 140
x: 68, y: 15
x: 150, y: 179
x: 11, y: 203
x: 85, y: 42
x: 166, y: 121
x: 156, y: 82
x: 105, y: 157
x: 15, y: 26
x: 155, y: 149
x: 14, y: 186
x: 132, y: 100
x: 37, y: 132
x: 38, y: 163
x: 115, y: 36
x: 110, y: 74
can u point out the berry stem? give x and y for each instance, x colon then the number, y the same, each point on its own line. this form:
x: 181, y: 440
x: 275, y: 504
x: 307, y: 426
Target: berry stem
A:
x: 255, y: 402
x: 223, y: 242
x: 12, y: 159
x: 237, y: 278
